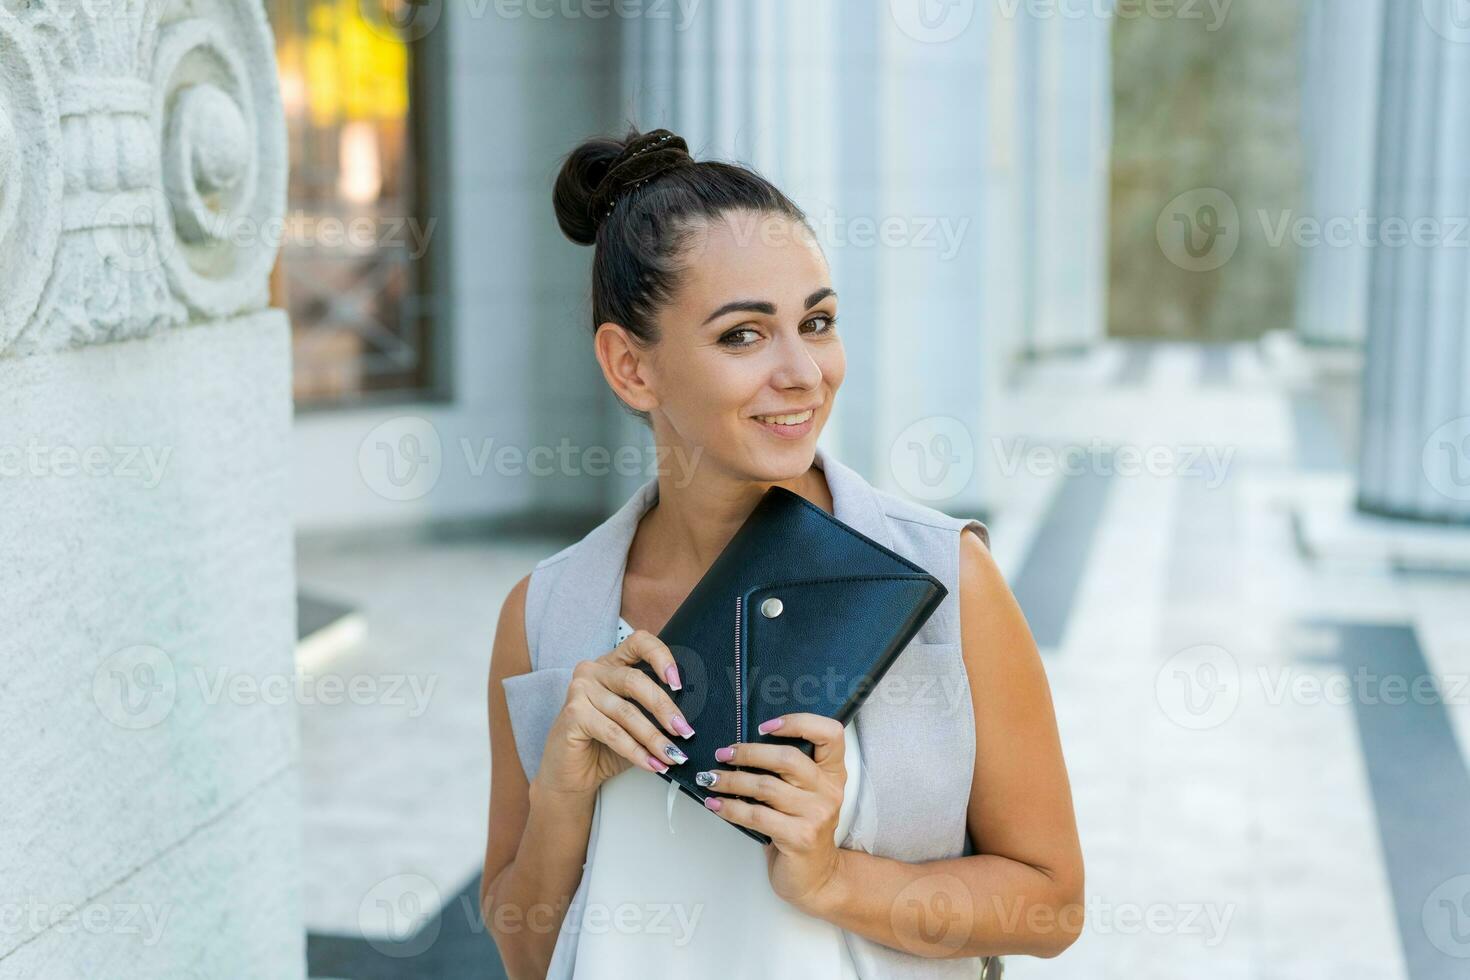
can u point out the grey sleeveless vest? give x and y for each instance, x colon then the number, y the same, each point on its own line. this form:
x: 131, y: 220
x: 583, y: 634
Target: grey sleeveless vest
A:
x: 916, y: 731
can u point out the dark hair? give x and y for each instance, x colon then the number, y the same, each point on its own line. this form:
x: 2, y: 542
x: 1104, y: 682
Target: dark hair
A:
x: 641, y: 201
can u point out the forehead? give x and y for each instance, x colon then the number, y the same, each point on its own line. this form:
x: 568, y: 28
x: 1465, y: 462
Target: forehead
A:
x: 753, y: 256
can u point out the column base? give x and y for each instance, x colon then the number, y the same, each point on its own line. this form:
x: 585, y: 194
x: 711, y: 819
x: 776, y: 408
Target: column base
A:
x: 1330, y: 528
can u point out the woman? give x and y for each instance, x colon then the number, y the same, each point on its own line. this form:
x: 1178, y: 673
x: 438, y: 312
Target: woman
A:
x: 932, y: 833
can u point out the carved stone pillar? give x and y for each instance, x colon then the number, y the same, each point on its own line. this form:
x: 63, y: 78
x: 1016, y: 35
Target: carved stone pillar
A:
x: 146, y: 586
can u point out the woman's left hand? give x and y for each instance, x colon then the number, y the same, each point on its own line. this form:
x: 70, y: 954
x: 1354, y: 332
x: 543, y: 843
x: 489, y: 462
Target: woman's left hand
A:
x: 798, y: 806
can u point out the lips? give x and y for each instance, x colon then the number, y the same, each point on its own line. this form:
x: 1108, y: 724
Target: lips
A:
x: 787, y: 418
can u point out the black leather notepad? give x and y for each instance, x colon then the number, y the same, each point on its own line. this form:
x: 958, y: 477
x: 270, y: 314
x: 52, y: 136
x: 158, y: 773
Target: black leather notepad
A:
x: 800, y: 612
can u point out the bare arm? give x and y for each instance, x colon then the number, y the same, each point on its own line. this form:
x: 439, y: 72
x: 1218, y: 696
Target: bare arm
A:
x: 1023, y: 891
x: 537, y: 840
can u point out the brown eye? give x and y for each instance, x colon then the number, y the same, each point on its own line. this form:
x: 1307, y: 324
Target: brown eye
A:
x: 729, y: 340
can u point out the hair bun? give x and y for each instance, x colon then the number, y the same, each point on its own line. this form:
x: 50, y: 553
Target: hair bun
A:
x: 600, y: 169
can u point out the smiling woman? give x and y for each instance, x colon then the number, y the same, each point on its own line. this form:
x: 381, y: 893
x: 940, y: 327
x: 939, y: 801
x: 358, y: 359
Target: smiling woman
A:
x: 714, y: 319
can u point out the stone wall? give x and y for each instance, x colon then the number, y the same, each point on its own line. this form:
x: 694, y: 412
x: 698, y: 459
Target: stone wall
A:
x: 149, y: 776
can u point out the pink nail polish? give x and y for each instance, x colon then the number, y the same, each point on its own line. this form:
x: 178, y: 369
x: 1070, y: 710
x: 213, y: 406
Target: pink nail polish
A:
x: 769, y: 726
x: 725, y: 753
x: 672, y: 676
x: 712, y: 803
x: 657, y: 765
x: 682, y: 727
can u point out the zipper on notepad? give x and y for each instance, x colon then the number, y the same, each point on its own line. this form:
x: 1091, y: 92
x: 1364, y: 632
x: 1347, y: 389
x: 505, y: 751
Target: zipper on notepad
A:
x: 739, y: 704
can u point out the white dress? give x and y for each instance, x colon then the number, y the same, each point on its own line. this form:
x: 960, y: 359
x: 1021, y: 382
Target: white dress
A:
x: 672, y: 891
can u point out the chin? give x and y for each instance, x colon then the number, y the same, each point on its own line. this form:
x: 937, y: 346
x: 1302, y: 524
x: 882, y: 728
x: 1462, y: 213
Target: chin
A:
x: 781, y: 459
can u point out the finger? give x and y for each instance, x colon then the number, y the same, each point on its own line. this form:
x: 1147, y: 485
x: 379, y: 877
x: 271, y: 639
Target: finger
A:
x: 631, y: 682
x: 827, y: 735
x: 782, y: 828
x: 643, y: 645
x: 786, y: 761
x: 772, y: 790
x: 636, y: 724
x: 609, y: 732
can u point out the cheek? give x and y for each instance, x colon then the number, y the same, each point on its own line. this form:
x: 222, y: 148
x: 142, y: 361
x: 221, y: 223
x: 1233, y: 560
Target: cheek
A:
x: 714, y: 386
x: 834, y: 365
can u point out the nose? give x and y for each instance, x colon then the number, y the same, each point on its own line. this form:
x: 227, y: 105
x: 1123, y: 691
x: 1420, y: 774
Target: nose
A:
x: 795, y: 368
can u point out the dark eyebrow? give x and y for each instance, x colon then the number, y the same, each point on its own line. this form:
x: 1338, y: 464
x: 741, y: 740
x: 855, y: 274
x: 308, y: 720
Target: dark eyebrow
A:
x: 765, y: 306
x: 820, y: 295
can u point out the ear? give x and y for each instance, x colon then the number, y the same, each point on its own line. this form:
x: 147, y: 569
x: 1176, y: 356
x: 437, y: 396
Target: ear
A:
x: 625, y: 365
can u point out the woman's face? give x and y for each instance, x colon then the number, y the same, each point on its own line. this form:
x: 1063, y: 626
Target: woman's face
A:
x: 750, y: 335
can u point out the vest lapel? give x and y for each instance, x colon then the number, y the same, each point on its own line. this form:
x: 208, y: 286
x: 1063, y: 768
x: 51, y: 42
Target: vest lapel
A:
x: 593, y: 580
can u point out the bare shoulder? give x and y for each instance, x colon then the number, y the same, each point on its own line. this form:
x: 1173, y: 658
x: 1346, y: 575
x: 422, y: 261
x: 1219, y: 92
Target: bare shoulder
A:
x: 510, y: 654
x: 995, y: 634
x: 983, y: 588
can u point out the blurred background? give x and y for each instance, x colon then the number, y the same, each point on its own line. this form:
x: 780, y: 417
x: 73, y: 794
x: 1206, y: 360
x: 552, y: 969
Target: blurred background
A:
x: 1170, y: 293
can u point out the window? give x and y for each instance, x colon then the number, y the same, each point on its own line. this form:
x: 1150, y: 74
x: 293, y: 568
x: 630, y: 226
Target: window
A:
x: 354, y: 272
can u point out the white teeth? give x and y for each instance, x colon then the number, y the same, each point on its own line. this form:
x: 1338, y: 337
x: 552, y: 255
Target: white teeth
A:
x: 797, y: 419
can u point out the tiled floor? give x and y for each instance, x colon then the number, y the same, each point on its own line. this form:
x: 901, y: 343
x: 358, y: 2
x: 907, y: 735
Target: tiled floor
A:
x: 1256, y: 797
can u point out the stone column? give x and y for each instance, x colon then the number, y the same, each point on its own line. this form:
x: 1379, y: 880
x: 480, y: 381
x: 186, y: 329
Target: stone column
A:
x: 1064, y: 83
x: 722, y: 75
x: 149, y: 769
x: 1415, y: 453
x: 882, y: 140
x: 1341, y: 48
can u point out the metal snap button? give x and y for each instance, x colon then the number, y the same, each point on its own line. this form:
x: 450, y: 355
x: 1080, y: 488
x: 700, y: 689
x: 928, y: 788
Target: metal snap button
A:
x: 771, y: 608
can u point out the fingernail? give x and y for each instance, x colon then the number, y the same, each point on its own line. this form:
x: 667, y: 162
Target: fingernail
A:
x: 706, y: 778
x: 769, y: 726
x: 657, y: 765
x: 672, y: 676
x: 713, y: 802
x: 682, y: 727
x: 676, y: 753
x: 725, y: 753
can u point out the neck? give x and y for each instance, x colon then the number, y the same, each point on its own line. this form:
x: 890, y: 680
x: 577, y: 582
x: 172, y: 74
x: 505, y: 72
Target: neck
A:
x: 696, y: 515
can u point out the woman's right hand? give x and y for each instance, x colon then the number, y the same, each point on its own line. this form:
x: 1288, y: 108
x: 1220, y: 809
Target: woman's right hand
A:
x: 600, y: 732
